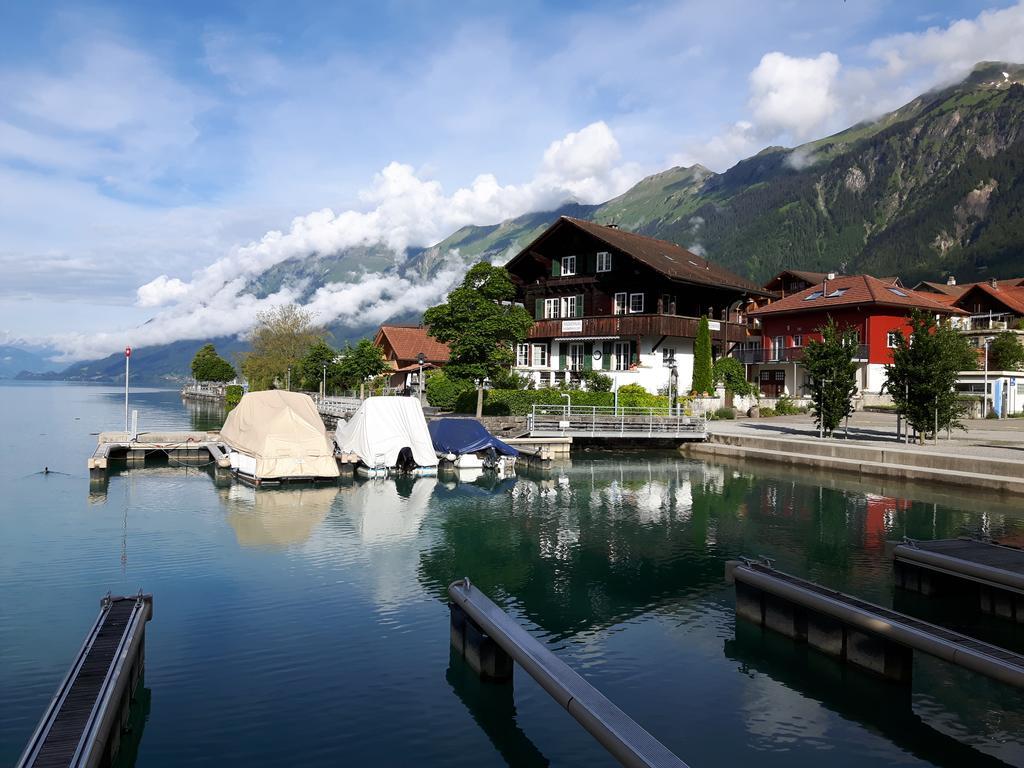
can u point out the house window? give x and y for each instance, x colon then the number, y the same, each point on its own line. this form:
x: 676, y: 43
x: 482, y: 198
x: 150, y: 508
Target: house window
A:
x: 667, y: 355
x: 540, y: 355
x: 891, y: 339
x: 779, y: 376
x: 798, y: 341
x: 620, y: 304
x: 777, y: 346
x: 636, y: 302
x: 568, y: 265
x: 570, y: 305
x: 550, y: 308
x: 575, y: 357
x: 522, y: 355
x: 604, y: 261
x: 621, y: 361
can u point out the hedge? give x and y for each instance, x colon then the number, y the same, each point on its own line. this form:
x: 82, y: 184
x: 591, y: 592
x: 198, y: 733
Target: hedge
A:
x: 517, y: 402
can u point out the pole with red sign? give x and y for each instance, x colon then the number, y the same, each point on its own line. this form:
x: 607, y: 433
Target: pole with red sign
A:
x: 127, y: 357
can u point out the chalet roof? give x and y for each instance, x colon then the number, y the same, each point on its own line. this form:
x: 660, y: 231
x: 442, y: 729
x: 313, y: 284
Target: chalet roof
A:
x: 671, y: 260
x: 853, y: 290
x: 408, y: 341
x: 1011, y: 296
x: 800, y: 274
x: 962, y: 288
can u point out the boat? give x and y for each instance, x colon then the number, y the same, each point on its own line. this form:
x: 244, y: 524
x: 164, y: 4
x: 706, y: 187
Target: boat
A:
x: 468, y: 445
x: 390, y: 437
x: 276, y: 437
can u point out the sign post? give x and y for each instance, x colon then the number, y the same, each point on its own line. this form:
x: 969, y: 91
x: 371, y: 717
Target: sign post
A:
x: 127, y: 357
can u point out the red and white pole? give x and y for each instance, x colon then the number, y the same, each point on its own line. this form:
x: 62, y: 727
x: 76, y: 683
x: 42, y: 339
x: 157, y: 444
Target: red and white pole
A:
x: 127, y: 357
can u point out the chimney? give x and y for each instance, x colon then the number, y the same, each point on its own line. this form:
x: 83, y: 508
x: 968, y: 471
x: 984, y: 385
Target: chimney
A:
x: 831, y: 275
x: 951, y: 280
x: 993, y: 282
x: 612, y: 226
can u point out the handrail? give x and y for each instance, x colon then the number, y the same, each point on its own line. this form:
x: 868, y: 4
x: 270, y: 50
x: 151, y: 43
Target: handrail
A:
x: 622, y: 736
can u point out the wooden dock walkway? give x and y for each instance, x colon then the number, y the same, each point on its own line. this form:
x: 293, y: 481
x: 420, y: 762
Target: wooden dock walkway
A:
x: 192, y: 448
x: 82, y: 725
x: 991, y: 573
x: 858, y: 632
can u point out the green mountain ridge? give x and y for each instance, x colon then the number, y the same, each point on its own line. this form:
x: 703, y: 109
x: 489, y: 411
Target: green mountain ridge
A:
x: 932, y: 189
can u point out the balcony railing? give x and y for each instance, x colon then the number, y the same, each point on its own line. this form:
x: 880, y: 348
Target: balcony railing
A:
x: 615, y: 326
x: 785, y: 355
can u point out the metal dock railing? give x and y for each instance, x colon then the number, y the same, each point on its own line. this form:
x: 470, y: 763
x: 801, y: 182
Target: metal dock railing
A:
x: 610, y: 422
x: 627, y: 741
x: 82, y: 725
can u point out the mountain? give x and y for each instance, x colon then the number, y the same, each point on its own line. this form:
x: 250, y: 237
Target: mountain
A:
x: 932, y: 189
x: 14, y: 359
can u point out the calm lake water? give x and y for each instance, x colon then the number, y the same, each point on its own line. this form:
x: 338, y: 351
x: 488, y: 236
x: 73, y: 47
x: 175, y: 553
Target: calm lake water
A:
x: 309, y: 626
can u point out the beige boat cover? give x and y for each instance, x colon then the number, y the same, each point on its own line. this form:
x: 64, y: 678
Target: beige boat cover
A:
x: 382, y: 427
x: 283, y: 432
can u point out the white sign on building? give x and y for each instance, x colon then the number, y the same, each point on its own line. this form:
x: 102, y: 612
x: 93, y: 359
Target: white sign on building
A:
x: 572, y: 326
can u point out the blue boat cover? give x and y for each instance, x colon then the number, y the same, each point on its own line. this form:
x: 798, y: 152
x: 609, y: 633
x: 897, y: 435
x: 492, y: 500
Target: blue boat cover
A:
x: 465, y: 436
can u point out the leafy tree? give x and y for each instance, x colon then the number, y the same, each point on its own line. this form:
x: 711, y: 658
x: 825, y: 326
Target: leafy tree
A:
x: 481, y: 325
x: 833, y: 375
x: 729, y: 372
x: 703, y: 381
x: 319, y: 354
x: 923, y: 371
x: 360, y: 364
x: 279, y: 341
x: 506, y: 378
x: 443, y: 391
x: 1005, y: 353
x: 207, y: 365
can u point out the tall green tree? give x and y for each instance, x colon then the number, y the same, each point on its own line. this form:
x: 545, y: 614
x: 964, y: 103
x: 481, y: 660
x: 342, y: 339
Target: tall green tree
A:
x: 833, y: 375
x: 361, y: 363
x: 207, y: 365
x: 481, y: 325
x: 279, y: 341
x: 924, y: 369
x: 728, y: 371
x: 321, y: 357
x: 1006, y: 353
x: 703, y: 376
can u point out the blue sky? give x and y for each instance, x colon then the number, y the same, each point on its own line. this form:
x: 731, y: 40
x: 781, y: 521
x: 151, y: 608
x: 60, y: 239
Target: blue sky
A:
x: 141, y: 143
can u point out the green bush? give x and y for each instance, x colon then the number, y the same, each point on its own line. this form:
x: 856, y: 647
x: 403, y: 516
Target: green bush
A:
x: 765, y: 411
x: 729, y: 371
x: 518, y: 402
x: 232, y: 395
x: 445, y: 392
x: 595, y: 381
x: 725, y: 413
x: 635, y: 396
x: 786, y: 407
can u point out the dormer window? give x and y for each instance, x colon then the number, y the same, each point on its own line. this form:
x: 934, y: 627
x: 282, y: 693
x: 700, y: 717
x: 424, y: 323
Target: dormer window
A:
x: 568, y: 265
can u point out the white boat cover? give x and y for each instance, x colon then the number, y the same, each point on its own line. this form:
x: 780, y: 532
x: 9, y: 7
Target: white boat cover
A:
x: 382, y: 427
x: 283, y: 432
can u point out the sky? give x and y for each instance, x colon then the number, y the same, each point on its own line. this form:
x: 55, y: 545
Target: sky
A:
x: 154, y: 156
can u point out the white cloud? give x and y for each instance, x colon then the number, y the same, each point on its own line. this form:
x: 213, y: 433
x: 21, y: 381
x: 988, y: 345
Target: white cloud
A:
x: 793, y: 95
x: 162, y: 290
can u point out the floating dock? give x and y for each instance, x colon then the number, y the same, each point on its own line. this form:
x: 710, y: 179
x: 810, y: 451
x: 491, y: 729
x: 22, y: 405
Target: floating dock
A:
x: 858, y: 632
x: 991, y: 573
x: 83, y: 723
x: 189, y: 448
x: 490, y: 641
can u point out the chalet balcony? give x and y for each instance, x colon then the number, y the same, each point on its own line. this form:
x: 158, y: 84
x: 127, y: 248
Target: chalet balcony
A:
x: 785, y: 355
x: 632, y: 325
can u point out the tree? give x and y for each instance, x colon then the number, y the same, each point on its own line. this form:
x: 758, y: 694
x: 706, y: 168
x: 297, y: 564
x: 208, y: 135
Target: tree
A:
x: 279, y: 340
x: 833, y: 375
x: 923, y: 371
x: 207, y: 365
x: 729, y: 372
x: 318, y: 357
x: 361, y: 363
x: 480, y: 324
x: 1005, y: 353
x: 703, y: 381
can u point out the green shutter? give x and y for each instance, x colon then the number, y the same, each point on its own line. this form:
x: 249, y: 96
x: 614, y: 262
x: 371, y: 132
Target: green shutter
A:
x: 563, y: 361
x: 579, y: 306
x: 556, y: 267
x: 588, y: 356
x: 607, y: 350
x: 538, y: 313
x: 634, y: 356
x: 591, y: 263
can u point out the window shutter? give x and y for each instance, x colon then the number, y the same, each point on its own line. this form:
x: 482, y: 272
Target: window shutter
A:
x: 606, y: 355
x: 538, y: 313
x: 579, y: 306
x: 556, y: 267
x: 634, y: 358
x: 563, y: 362
x: 591, y: 263
x: 588, y: 356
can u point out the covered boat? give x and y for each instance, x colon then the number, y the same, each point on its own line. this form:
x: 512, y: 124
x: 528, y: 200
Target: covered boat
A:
x: 389, y: 434
x: 278, y: 436
x: 468, y: 444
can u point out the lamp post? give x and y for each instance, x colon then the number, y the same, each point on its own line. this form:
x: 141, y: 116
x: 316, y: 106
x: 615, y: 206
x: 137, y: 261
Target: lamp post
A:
x: 288, y: 379
x: 984, y: 391
x: 127, y: 357
x: 421, y: 359
x: 672, y: 385
x: 324, y: 392
x: 568, y: 404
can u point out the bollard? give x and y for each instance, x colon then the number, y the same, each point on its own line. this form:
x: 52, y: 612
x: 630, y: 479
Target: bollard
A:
x: 484, y: 656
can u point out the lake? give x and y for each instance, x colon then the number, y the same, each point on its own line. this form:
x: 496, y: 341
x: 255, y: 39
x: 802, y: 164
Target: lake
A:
x: 309, y: 626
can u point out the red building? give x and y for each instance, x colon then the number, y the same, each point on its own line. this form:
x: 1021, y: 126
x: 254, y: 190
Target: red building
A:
x: 874, y: 308
x: 402, y: 345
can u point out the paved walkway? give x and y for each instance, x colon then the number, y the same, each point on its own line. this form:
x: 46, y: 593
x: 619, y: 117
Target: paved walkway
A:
x: 998, y: 439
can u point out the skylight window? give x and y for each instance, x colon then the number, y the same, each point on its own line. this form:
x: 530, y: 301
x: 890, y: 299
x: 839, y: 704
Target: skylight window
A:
x: 898, y: 292
x: 837, y: 293
x: 813, y: 296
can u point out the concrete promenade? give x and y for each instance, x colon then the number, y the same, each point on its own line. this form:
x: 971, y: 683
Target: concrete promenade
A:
x: 989, y: 456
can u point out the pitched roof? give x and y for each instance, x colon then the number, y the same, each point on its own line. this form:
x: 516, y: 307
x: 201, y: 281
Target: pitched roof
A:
x: 409, y: 340
x: 800, y: 274
x: 961, y: 288
x: 671, y: 260
x: 853, y: 290
x: 1012, y: 296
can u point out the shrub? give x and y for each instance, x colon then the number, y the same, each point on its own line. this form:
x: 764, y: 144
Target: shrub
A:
x: 232, y: 395
x: 765, y: 411
x: 635, y: 396
x: 786, y: 407
x: 725, y: 413
x: 596, y: 381
x: 444, y: 392
x: 508, y: 379
x: 729, y: 372
x: 518, y: 402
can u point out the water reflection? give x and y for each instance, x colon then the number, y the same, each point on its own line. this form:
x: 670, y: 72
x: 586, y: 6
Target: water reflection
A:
x: 276, y: 518
x: 387, y: 511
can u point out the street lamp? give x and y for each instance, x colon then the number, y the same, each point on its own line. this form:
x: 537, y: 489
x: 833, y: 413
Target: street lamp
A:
x: 421, y: 359
x: 288, y: 384
x: 672, y: 377
x: 984, y: 392
x: 324, y: 392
